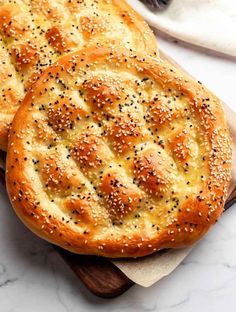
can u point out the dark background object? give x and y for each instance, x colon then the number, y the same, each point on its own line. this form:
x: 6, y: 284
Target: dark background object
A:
x: 158, y: 4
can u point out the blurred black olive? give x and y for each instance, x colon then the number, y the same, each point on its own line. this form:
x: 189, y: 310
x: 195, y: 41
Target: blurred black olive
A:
x: 158, y: 4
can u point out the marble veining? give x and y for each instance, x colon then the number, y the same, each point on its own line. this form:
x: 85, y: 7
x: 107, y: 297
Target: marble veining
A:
x: 33, y: 277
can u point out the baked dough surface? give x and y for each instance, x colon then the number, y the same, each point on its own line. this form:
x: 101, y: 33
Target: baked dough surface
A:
x: 34, y: 33
x: 114, y: 155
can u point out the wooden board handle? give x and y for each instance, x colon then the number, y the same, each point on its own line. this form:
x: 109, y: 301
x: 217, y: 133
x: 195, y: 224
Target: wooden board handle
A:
x: 100, y: 276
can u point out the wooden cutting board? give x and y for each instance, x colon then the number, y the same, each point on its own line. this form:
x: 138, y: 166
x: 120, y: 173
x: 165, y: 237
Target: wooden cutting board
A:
x: 99, y: 275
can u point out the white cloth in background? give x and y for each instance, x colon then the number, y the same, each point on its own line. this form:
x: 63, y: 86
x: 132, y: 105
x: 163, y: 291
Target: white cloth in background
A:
x: 207, y: 23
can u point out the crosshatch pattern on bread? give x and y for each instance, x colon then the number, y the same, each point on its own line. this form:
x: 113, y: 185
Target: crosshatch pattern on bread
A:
x: 34, y: 33
x: 114, y: 155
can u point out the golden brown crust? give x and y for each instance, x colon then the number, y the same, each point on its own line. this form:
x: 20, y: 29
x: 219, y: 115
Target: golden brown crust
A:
x: 34, y: 33
x: 76, y: 189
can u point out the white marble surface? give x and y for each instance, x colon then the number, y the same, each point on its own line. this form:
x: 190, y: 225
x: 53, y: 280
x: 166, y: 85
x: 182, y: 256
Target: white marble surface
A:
x: 33, y: 277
